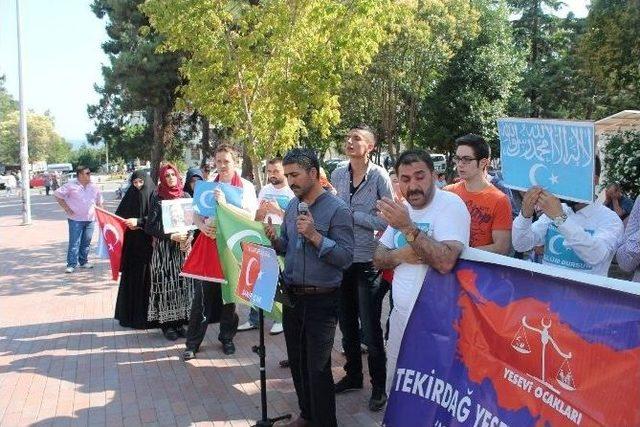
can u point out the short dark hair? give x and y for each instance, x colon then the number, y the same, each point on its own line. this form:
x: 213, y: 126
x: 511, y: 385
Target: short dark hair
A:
x: 412, y: 156
x: 275, y: 160
x: 226, y: 148
x: 304, y: 157
x: 480, y: 147
x: 365, y: 127
x: 82, y: 168
x: 206, y: 167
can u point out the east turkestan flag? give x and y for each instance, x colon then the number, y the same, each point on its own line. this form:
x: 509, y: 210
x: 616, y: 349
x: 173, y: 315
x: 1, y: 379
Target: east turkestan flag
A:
x: 232, y: 229
x: 112, y: 228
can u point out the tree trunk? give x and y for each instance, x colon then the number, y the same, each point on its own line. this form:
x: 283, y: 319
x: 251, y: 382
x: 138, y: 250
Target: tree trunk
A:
x: 162, y: 134
x: 205, y: 141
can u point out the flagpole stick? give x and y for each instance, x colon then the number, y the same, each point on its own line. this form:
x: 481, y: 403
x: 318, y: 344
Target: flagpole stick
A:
x: 265, y: 421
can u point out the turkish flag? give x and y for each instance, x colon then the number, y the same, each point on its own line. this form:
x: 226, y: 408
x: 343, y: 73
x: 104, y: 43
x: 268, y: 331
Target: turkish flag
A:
x: 249, y: 271
x: 112, y: 228
x: 203, y: 262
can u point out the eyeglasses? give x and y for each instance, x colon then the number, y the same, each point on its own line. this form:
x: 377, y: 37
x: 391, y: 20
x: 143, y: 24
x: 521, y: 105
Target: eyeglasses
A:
x: 464, y: 160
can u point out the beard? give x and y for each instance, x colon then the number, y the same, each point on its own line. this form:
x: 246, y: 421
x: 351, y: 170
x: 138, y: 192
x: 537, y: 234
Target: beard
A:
x: 274, y: 180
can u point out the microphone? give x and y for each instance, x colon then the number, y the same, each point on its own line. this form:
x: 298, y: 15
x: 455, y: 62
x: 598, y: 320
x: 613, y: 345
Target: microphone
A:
x: 303, y: 209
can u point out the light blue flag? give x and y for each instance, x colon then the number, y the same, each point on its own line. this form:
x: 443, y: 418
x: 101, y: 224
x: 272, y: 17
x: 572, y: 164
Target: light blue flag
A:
x: 554, y: 154
x: 204, y: 202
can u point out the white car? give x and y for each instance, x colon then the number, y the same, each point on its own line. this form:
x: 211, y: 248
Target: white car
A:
x: 439, y: 162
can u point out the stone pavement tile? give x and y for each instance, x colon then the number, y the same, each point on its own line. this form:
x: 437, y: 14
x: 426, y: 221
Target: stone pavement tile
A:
x: 67, y: 362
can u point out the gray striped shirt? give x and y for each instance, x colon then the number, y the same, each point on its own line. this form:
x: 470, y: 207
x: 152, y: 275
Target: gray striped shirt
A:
x: 375, y: 185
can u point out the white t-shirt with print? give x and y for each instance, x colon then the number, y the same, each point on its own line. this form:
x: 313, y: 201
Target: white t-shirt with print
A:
x: 446, y: 218
x: 282, y: 196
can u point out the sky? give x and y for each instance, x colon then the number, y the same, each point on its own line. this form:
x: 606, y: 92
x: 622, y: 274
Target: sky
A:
x: 62, y: 58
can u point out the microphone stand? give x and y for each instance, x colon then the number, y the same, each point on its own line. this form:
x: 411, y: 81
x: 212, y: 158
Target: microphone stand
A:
x: 260, y: 351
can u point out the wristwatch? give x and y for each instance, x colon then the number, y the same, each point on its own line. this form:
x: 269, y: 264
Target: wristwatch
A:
x: 413, y: 234
x: 559, y: 220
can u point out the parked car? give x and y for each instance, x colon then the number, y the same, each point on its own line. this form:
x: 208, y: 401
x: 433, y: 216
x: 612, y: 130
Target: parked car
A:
x: 37, y: 181
x: 439, y: 162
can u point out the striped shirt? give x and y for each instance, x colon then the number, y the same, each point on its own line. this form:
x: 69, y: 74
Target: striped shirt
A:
x: 628, y: 253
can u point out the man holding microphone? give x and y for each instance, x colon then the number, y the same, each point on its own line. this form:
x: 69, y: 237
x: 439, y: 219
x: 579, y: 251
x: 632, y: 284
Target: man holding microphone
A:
x: 316, y: 240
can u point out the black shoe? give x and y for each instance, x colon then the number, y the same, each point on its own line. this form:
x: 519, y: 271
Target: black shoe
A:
x: 182, y: 332
x: 188, y: 355
x: 378, y: 400
x: 171, y: 334
x: 348, y: 384
x: 228, y: 348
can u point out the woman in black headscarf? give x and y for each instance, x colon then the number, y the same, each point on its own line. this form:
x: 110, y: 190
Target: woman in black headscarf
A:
x: 135, y: 282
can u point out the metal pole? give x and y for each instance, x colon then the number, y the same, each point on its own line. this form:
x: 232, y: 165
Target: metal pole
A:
x: 24, y: 147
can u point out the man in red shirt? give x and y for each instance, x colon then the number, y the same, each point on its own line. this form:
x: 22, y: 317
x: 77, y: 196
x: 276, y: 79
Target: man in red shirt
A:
x: 489, y: 207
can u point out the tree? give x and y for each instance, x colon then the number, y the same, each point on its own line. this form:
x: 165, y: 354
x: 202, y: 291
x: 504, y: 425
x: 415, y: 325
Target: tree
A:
x: 44, y: 142
x: 390, y: 94
x: 7, y: 102
x: 140, y: 86
x: 93, y: 158
x: 535, y: 32
x: 478, y: 83
x: 270, y: 71
x: 622, y: 162
x: 609, y: 55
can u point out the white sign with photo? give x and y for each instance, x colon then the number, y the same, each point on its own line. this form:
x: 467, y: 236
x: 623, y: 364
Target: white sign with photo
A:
x: 177, y: 215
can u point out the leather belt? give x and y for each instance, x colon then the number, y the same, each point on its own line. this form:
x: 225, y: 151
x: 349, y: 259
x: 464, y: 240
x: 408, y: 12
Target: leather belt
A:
x: 311, y: 290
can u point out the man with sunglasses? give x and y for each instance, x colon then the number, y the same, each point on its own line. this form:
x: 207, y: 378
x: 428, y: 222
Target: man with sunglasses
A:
x: 79, y: 198
x: 489, y: 207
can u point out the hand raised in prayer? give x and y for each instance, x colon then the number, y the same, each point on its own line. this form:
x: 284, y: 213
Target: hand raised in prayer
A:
x: 530, y: 200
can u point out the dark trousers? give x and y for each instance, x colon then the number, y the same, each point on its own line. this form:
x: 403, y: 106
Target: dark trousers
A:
x: 361, y: 298
x: 309, y: 330
x: 205, y: 296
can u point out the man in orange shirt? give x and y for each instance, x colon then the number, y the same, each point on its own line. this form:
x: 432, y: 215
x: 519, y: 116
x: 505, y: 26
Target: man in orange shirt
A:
x: 489, y: 207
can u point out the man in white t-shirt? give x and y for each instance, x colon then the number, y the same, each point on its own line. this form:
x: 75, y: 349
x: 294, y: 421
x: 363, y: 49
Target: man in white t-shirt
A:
x: 272, y: 202
x: 429, y: 229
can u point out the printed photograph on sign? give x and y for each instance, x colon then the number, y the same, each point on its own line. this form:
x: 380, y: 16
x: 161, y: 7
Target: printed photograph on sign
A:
x: 556, y: 155
x: 177, y: 215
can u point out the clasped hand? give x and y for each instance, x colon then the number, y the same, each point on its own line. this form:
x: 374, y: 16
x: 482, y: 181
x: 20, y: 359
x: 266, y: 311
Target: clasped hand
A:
x: 545, y: 201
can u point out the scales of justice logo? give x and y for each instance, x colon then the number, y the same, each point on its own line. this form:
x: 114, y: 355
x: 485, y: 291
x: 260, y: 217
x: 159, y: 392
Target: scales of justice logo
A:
x: 520, y: 343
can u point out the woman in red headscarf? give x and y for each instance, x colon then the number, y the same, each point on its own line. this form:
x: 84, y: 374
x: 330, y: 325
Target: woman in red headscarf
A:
x: 171, y: 294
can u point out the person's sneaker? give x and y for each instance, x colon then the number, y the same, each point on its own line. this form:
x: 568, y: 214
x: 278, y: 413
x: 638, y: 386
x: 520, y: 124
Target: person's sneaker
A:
x: 87, y: 265
x: 188, y: 355
x: 228, y: 348
x: 348, y: 384
x: 378, y: 399
x: 276, y: 329
x: 69, y: 270
x: 246, y: 326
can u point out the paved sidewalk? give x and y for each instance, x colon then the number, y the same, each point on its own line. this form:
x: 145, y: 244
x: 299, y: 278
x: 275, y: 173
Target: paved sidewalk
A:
x: 65, y: 361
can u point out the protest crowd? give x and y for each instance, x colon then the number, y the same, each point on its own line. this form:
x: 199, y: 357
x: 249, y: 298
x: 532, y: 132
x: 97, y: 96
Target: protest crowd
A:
x: 346, y: 242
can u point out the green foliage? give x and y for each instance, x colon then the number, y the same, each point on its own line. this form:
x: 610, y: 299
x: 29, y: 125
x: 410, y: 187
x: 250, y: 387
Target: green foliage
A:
x: 135, y: 115
x: 622, y: 161
x: 478, y: 83
x: 91, y: 157
x: 390, y: 95
x: 273, y: 71
x: 7, y: 103
x: 44, y: 142
x: 610, y: 55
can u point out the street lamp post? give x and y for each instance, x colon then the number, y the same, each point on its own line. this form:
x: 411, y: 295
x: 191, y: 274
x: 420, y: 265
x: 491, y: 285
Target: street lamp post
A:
x: 24, y: 147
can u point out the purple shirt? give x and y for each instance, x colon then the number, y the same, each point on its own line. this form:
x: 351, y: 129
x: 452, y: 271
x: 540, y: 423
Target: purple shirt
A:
x: 628, y: 254
x: 80, y: 199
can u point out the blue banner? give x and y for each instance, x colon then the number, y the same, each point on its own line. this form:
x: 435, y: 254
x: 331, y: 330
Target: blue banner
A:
x: 556, y: 155
x: 498, y: 343
x: 204, y: 201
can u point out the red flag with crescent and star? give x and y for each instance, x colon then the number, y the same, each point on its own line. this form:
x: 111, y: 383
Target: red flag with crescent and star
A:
x: 112, y: 228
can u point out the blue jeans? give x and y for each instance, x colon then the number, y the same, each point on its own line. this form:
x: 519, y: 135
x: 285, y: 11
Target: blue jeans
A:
x: 80, y: 233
